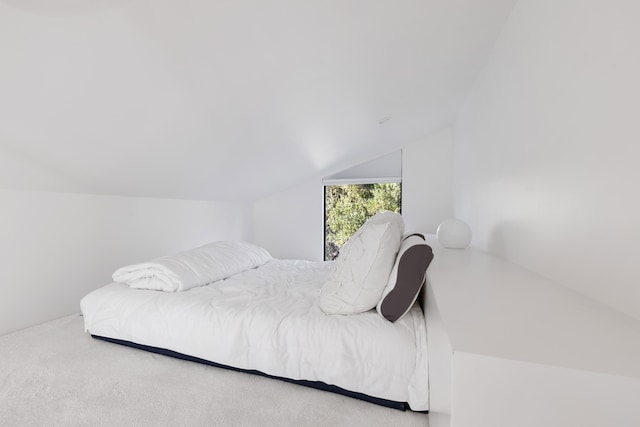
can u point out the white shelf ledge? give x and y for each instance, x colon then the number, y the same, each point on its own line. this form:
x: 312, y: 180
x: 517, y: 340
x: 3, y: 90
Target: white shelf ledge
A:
x: 510, y: 348
x: 493, y: 307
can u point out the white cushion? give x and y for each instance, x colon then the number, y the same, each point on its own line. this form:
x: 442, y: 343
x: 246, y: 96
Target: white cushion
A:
x: 362, y: 270
x: 406, y: 278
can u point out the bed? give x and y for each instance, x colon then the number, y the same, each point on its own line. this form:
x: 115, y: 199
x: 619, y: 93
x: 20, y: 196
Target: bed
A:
x: 269, y: 320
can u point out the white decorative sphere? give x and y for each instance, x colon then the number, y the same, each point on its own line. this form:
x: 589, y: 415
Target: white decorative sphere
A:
x: 454, y: 234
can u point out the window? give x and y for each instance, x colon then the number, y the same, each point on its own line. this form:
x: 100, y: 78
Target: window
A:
x: 347, y: 207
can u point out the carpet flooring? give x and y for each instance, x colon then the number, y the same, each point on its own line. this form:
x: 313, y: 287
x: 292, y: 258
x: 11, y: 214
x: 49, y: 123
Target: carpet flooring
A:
x: 54, y: 374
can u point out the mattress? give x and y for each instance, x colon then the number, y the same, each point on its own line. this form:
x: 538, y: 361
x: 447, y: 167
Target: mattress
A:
x: 268, y: 319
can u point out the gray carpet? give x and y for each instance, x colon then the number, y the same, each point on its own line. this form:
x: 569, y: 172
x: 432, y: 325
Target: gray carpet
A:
x: 56, y: 375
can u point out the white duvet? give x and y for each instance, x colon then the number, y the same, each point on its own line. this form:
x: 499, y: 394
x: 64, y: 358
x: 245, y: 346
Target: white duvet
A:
x: 268, y: 319
x: 196, y: 267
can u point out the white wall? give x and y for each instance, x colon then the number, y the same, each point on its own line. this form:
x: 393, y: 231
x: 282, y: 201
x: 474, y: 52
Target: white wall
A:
x: 388, y: 166
x: 55, y: 247
x: 494, y: 392
x: 427, y: 169
x: 289, y: 224
x: 546, y: 148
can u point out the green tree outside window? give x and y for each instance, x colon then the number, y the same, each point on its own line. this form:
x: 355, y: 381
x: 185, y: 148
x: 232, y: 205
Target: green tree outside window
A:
x: 347, y: 207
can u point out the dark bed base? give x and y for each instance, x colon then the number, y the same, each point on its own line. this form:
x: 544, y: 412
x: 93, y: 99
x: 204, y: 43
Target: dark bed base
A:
x: 402, y: 406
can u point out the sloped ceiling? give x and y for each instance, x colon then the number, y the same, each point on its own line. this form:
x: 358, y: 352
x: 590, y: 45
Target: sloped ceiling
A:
x: 225, y: 99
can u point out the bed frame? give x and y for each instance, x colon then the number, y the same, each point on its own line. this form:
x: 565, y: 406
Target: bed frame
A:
x: 402, y: 406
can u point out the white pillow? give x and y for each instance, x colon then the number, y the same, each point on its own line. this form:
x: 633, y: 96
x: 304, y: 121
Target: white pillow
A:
x: 362, y: 270
x: 406, y: 279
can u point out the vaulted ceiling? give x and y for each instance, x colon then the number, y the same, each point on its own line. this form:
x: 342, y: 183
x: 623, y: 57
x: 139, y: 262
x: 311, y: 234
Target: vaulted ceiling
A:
x: 225, y: 99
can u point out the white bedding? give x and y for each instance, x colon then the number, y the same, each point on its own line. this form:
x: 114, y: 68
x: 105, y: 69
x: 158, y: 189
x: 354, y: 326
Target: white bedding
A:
x: 196, y: 267
x: 268, y: 319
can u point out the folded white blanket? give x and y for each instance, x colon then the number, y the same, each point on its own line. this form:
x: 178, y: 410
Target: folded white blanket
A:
x: 197, y: 267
